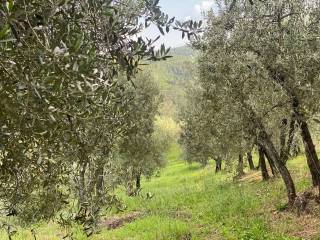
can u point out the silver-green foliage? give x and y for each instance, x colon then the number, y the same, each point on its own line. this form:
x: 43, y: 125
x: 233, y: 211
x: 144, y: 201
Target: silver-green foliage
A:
x: 62, y: 108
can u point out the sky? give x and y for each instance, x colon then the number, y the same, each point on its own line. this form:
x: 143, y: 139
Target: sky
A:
x: 183, y: 10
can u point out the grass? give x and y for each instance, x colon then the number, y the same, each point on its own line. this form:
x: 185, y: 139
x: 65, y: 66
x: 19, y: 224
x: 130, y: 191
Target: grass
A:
x: 191, y: 202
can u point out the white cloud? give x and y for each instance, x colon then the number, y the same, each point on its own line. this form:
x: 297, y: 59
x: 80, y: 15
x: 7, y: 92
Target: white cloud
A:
x: 204, y: 6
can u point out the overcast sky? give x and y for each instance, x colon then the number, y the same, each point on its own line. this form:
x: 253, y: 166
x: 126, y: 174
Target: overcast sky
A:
x: 182, y: 10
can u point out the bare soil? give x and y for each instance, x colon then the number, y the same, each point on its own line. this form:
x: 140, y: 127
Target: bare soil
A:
x: 119, y: 221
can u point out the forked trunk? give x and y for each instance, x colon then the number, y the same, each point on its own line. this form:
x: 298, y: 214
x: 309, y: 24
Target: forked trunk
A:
x: 268, y: 147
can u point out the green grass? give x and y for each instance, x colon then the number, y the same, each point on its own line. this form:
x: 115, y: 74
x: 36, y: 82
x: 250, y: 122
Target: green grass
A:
x: 193, y: 201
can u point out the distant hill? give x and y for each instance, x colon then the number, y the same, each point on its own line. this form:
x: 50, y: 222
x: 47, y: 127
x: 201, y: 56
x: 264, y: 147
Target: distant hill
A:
x: 177, y: 70
x: 174, y: 74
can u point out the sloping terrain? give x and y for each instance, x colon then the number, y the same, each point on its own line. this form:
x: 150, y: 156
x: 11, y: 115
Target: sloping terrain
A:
x: 190, y: 202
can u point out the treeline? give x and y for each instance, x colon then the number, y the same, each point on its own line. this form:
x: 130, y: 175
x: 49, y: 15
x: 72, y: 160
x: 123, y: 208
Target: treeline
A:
x: 258, y: 87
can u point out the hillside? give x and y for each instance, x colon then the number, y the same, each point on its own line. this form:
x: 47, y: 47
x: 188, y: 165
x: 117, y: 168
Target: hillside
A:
x: 190, y: 202
x: 174, y: 75
x: 176, y: 71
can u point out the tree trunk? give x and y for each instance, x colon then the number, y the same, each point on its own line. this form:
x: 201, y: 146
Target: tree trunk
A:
x: 310, y: 151
x: 268, y: 147
x: 218, y: 164
x: 138, y: 182
x: 250, y: 161
x: 311, y: 154
x: 272, y: 165
x: 312, y: 159
x: 264, y: 141
x: 240, y: 166
x: 263, y: 166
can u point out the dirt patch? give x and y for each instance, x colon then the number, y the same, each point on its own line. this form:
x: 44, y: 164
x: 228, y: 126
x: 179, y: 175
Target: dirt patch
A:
x: 119, y: 221
x: 253, y: 176
x: 310, y: 227
x: 305, y: 226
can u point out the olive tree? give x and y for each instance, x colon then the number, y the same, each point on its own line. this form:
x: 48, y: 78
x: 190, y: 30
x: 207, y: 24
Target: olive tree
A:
x: 58, y: 86
x: 139, y: 150
x: 237, y: 86
x: 258, y: 61
x: 283, y: 37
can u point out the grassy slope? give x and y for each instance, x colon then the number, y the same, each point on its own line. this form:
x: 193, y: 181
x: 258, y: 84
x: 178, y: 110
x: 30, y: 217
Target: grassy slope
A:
x: 190, y: 200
